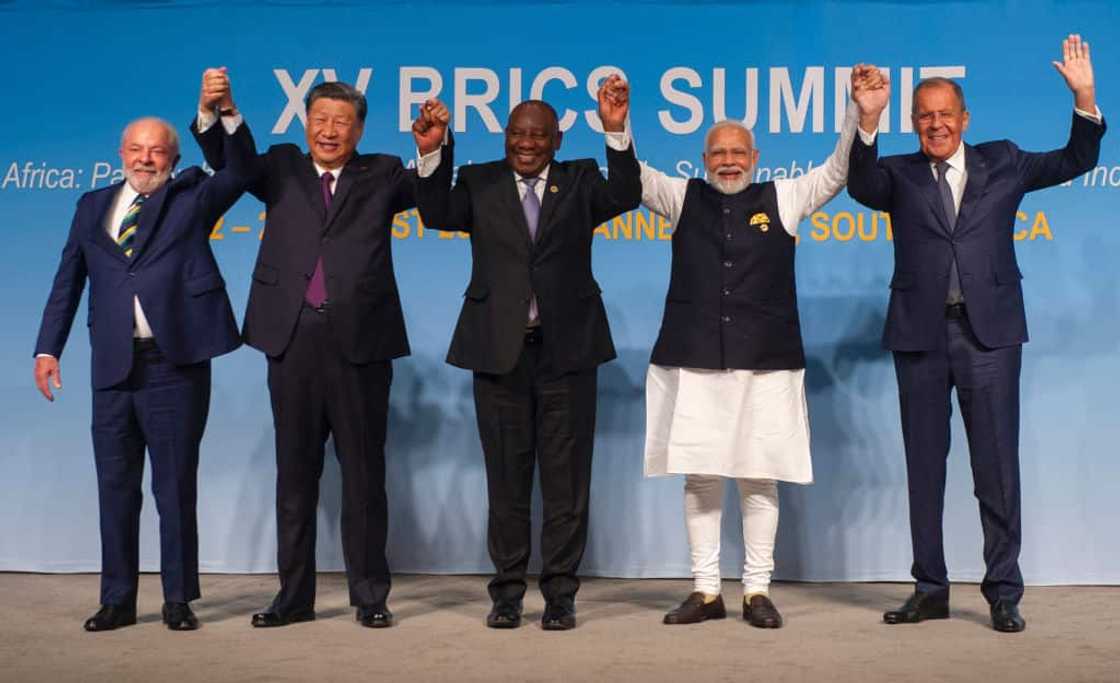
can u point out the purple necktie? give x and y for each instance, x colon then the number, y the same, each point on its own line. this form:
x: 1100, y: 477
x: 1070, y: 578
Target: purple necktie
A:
x: 316, y: 292
x: 531, y: 204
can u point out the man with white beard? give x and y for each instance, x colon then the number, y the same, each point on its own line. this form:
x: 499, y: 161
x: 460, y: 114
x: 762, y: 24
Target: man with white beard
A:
x: 725, y: 391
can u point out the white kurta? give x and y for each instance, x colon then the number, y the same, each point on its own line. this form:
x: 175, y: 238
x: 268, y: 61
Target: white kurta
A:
x: 737, y: 423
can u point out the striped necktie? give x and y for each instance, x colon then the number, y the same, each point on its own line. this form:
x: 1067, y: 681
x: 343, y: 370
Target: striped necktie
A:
x: 126, y: 237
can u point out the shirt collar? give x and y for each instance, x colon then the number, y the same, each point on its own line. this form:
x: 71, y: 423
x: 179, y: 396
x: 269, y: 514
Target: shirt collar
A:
x: 543, y: 175
x: 128, y: 193
x: 955, y: 161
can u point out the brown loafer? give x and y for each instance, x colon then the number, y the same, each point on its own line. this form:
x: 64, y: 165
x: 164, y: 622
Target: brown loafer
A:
x: 694, y: 610
x: 761, y: 613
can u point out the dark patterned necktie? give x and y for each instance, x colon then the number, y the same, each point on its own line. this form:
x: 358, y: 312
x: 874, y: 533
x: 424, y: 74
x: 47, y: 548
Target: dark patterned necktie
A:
x: 955, y: 296
x: 126, y: 237
x: 316, y: 292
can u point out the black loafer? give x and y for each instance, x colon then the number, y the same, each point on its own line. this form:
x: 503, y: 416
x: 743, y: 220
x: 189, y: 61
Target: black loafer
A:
x: 179, y: 617
x: 559, y: 616
x: 694, y: 610
x: 272, y: 619
x: 1006, y: 617
x: 377, y: 616
x: 504, y: 614
x: 760, y: 612
x: 919, y: 607
x: 111, y: 617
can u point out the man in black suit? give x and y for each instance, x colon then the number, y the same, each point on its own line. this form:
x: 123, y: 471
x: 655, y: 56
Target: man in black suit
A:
x: 158, y: 312
x: 534, y: 331
x: 956, y: 314
x: 324, y: 309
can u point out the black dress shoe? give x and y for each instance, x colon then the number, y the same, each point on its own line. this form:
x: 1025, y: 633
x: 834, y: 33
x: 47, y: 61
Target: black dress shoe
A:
x: 179, y: 617
x: 559, y: 615
x: 504, y: 614
x: 377, y: 616
x: 919, y: 607
x: 270, y: 619
x: 694, y: 610
x: 111, y: 617
x: 1006, y: 617
x: 761, y: 612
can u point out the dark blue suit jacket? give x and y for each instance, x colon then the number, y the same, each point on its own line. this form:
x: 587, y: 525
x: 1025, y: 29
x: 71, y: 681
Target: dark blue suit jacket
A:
x: 999, y: 174
x: 172, y: 271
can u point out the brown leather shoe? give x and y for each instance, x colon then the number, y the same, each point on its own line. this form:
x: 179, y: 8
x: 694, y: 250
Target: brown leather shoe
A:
x: 761, y: 613
x: 694, y: 610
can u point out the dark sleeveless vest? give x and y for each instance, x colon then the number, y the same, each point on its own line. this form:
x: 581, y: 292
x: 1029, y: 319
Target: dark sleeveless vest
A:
x: 732, y: 300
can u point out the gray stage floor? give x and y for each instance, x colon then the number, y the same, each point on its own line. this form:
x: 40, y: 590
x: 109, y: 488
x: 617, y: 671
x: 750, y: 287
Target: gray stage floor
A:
x: 833, y: 633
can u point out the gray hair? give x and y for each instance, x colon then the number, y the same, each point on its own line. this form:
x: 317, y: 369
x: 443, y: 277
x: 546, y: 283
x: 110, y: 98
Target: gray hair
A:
x: 937, y: 81
x: 337, y: 90
x: 727, y: 123
x: 172, y: 134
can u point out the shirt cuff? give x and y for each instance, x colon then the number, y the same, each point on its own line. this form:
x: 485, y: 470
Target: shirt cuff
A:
x: 619, y: 141
x: 44, y: 355
x: 1096, y: 117
x: 868, y: 138
x: 427, y: 164
x: 206, y: 119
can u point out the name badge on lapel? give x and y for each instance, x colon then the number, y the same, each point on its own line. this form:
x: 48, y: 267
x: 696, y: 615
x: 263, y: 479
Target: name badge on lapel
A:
x: 761, y: 220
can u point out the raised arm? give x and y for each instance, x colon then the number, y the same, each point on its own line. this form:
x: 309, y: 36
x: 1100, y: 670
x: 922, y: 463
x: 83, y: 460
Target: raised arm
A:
x: 1039, y: 170
x: 215, y: 104
x: 622, y: 189
x: 869, y: 183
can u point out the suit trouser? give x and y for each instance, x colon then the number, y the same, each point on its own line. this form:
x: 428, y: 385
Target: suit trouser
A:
x: 533, y: 415
x: 162, y: 408
x: 987, y: 383
x: 315, y: 393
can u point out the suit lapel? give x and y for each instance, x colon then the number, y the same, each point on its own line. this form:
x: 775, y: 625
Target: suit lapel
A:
x: 509, y: 199
x: 100, y: 235
x: 553, y: 192
x: 149, y: 219
x: 351, y: 173
x: 922, y: 176
x: 977, y: 171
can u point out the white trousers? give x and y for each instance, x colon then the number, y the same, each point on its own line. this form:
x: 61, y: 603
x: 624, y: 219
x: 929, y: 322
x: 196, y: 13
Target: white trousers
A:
x: 703, y: 508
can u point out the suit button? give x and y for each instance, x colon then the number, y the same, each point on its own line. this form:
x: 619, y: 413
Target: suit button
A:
x: 726, y: 318
x: 728, y: 235
x: 326, y: 240
x: 131, y: 274
x: 726, y: 211
x: 727, y: 291
x: 727, y: 264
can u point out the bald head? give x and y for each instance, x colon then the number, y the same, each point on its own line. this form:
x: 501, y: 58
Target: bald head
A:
x: 149, y: 151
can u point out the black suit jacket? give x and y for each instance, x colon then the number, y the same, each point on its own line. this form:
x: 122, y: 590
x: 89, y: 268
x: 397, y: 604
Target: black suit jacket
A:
x: 999, y: 174
x: 353, y: 238
x: 507, y: 266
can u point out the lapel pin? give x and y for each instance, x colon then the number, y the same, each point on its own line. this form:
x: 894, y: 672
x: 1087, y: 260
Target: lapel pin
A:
x: 761, y: 220
x: 553, y: 189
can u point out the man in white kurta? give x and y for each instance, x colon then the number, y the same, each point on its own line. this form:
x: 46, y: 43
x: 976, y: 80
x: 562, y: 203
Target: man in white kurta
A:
x: 742, y: 415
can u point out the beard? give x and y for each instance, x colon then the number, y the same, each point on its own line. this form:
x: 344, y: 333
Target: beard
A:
x: 730, y: 186
x: 143, y: 182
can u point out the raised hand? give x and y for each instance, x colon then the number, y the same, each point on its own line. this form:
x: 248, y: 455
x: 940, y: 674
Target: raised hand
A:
x: 614, y: 103
x: 215, y: 92
x: 1077, y: 69
x: 430, y: 126
x: 46, y: 369
x: 871, y: 91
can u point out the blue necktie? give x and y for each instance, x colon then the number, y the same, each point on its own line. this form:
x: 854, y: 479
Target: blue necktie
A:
x: 126, y: 237
x: 955, y: 296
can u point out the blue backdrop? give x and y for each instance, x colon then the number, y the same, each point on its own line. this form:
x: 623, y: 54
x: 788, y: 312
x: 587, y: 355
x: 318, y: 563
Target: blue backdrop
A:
x: 78, y: 71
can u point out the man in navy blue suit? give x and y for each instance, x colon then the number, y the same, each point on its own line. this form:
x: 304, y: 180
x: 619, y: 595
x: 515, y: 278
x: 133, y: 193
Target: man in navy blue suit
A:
x: 956, y: 314
x: 158, y: 312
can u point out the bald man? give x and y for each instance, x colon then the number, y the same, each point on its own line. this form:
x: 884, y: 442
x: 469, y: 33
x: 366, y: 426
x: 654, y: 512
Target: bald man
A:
x: 158, y: 312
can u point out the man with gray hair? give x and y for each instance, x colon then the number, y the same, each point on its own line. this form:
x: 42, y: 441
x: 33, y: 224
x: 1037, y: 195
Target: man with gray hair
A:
x: 158, y: 312
x: 725, y: 390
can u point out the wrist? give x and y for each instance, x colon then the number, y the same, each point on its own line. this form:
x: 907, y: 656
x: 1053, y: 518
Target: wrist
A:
x: 869, y: 123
